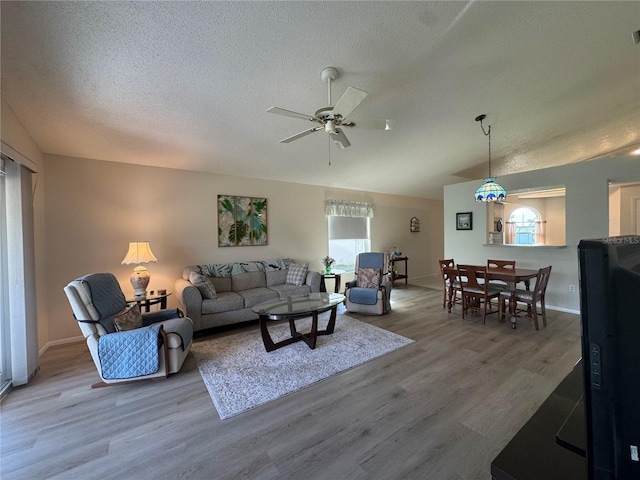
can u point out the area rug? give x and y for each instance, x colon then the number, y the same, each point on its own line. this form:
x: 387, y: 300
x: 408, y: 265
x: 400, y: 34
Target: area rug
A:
x: 240, y: 374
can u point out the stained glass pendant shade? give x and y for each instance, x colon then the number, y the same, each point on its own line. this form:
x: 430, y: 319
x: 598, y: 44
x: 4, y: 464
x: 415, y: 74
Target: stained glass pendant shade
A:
x: 490, y: 191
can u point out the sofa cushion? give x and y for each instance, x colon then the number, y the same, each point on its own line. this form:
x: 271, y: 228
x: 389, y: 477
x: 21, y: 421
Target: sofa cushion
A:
x: 297, y: 274
x: 203, y: 283
x: 368, y: 278
x: 254, y: 296
x: 225, y: 302
x: 128, y: 319
x: 222, y: 284
x: 246, y: 281
x: 286, y: 290
x: 276, y: 277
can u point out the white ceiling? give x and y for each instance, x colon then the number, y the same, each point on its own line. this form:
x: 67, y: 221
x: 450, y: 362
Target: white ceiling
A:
x: 186, y: 85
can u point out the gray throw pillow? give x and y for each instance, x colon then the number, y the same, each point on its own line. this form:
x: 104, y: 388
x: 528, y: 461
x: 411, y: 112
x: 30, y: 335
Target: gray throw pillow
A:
x: 204, y: 284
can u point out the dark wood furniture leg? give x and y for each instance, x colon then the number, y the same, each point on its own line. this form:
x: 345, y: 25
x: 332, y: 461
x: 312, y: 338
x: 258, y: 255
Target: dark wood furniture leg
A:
x: 308, y: 338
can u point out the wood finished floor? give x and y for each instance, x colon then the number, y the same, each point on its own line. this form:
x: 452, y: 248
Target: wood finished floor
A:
x: 441, y: 408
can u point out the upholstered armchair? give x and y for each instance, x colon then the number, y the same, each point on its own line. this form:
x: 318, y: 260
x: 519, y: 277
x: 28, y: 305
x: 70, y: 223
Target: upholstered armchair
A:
x: 370, y: 291
x: 126, y: 345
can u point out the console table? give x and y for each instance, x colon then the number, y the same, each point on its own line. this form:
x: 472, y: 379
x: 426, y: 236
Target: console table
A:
x: 399, y: 276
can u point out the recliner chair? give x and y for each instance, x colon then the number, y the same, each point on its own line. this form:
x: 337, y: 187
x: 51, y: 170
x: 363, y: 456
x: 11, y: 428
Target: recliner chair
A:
x: 155, y: 350
x: 370, y: 291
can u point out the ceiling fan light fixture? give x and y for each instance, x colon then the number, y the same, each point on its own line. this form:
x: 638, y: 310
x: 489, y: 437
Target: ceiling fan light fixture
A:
x: 330, y: 127
x: 330, y: 118
x: 490, y: 191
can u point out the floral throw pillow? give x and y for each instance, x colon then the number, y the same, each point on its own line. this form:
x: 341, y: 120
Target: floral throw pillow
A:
x: 297, y: 274
x: 204, y: 284
x: 128, y: 319
x: 368, y: 278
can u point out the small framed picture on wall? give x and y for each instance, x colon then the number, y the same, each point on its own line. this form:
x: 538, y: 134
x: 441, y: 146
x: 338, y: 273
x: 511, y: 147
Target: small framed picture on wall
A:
x: 464, y: 221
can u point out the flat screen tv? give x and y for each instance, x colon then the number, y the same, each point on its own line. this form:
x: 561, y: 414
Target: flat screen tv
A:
x: 610, y: 319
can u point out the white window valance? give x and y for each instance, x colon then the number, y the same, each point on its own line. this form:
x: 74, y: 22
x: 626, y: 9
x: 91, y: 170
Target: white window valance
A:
x: 343, y: 208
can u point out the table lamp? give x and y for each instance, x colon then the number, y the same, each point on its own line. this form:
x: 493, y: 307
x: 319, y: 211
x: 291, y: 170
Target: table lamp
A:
x: 139, y: 252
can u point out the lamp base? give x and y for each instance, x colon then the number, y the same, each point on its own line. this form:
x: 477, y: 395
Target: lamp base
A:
x: 139, y: 280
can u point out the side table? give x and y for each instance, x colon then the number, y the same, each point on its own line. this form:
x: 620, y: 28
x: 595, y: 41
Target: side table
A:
x: 336, y: 275
x: 399, y: 276
x: 146, y: 302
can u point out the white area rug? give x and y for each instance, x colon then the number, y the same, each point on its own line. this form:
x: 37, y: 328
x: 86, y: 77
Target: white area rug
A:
x: 241, y: 375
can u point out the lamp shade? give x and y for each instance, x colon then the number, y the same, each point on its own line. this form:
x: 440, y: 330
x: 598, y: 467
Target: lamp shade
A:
x: 139, y: 252
x: 490, y: 191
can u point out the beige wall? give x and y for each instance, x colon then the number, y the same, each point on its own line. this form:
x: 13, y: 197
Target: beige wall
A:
x: 94, y: 208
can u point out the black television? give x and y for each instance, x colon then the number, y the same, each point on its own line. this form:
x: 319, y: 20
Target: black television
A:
x: 610, y: 321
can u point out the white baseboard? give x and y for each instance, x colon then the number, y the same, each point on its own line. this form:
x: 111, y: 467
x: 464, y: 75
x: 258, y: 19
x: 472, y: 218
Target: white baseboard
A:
x: 562, y: 309
x: 64, y: 341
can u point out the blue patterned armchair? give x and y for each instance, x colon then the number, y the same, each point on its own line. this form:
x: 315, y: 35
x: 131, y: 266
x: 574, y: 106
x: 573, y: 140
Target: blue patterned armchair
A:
x: 370, y: 291
x: 126, y: 345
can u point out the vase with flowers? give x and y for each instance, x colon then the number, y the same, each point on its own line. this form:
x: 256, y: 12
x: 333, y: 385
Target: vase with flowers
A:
x: 327, y: 262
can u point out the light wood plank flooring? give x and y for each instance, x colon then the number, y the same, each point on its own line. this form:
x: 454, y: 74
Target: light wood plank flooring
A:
x: 441, y: 408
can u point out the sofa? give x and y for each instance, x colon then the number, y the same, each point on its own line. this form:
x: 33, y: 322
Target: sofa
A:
x: 213, y: 295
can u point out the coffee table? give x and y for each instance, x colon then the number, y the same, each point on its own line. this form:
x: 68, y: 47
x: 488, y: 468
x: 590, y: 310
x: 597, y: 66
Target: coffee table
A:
x: 294, y: 308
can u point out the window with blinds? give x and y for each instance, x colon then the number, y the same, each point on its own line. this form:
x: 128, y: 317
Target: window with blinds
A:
x: 348, y: 236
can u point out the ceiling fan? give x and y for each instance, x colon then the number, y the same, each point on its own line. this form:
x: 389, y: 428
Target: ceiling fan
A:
x: 332, y: 117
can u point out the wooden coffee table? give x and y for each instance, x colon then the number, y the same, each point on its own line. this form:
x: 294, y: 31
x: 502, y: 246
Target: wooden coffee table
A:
x: 294, y: 308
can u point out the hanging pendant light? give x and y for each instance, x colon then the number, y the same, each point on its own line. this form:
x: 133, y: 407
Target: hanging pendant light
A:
x: 490, y: 191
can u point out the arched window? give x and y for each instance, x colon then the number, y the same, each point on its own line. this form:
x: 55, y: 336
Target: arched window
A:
x: 521, y: 226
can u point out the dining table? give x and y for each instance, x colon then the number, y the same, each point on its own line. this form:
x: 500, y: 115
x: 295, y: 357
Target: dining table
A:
x: 512, y: 277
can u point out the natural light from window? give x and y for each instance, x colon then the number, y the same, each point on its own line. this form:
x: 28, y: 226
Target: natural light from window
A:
x: 523, y: 221
x: 348, y: 236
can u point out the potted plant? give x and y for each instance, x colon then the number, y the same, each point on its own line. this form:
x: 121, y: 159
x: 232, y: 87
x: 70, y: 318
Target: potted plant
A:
x: 327, y: 262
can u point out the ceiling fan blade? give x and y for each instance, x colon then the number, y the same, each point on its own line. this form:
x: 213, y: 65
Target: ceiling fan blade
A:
x: 300, y: 135
x: 289, y: 113
x: 349, y: 101
x: 340, y: 139
x: 375, y: 124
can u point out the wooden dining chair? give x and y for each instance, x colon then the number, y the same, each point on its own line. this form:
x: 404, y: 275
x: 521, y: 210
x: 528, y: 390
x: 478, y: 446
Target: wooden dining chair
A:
x: 507, y: 265
x: 445, y: 288
x: 453, y: 286
x: 530, y: 298
x: 474, y: 293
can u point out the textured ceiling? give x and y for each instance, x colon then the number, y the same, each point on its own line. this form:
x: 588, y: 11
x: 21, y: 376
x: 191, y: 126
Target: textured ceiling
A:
x: 186, y: 85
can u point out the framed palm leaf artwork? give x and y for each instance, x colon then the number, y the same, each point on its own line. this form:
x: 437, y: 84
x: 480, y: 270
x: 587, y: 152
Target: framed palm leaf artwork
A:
x: 242, y: 221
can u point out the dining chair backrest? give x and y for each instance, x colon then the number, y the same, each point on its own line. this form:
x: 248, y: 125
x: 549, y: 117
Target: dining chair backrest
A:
x: 502, y: 264
x: 450, y: 274
x: 445, y: 287
x: 446, y: 263
x: 542, y: 280
x: 471, y: 273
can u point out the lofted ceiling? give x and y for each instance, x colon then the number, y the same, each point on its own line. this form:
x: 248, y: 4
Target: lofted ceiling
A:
x: 186, y: 85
